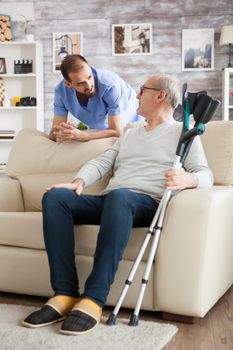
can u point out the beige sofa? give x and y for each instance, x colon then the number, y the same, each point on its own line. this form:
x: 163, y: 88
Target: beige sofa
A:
x: 194, y: 264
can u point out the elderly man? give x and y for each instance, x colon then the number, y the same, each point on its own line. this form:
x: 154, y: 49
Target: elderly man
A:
x: 97, y: 97
x: 142, y: 160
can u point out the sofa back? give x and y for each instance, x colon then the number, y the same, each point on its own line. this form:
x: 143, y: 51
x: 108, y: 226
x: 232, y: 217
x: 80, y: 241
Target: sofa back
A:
x: 34, y: 153
x: 217, y: 142
x: 38, y: 162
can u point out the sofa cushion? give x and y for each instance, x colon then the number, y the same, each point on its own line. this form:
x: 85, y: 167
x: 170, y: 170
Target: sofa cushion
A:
x: 21, y: 230
x: 34, y: 153
x: 29, y: 234
x: 218, y: 145
x: 10, y: 195
x: 34, y: 186
x: 86, y: 237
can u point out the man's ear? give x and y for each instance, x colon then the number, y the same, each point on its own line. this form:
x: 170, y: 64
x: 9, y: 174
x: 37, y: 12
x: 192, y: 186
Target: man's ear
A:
x: 67, y: 83
x: 162, y: 95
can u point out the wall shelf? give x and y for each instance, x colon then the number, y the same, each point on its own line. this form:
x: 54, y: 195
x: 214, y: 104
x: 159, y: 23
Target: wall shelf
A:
x: 15, y: 42
x: 8, y: 140
x: 29, y: 75
x: 227, y: 94
x: 18, y: 108
x: 21, y: 85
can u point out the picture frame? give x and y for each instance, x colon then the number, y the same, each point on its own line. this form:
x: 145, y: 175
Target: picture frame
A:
x: 197, y: 49
x: 131, y: 39
x: 2, y: 65
x: 6, y: 29
x: 66, y: 43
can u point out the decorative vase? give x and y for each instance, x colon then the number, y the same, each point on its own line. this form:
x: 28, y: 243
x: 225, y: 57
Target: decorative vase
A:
x: 29, y: 37
x: 6, y: 102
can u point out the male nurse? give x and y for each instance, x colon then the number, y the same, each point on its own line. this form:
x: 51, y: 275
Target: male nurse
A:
x: 97, y: 97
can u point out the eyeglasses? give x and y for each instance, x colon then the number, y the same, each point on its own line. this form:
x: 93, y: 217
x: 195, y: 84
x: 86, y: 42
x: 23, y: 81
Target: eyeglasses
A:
x: 143, y: 87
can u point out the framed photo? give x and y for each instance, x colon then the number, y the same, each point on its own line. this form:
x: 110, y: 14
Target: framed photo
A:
x: 132, y: 39
x: 6, y: 32
x: 197, y: 49
x: 65, y: 44
x: 2, y: 65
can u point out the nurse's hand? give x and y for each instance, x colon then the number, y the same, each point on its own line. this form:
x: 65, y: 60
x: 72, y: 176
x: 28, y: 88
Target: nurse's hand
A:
x: 69, y: 132
x: 55, y: 133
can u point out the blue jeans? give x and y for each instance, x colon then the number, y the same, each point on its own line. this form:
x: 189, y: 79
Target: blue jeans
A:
x: 116, y: 213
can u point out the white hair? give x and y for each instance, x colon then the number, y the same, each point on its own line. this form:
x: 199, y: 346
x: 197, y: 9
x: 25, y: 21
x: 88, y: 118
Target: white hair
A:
x: 171, y: 86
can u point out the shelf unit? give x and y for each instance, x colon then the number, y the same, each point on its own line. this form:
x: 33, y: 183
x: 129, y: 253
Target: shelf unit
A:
x: 18, y: 108
x: 31, y: 84
x: 227, y: 94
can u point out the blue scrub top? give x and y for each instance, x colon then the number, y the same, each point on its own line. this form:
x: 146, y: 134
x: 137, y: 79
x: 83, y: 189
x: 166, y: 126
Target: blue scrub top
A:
x: 113, y: 97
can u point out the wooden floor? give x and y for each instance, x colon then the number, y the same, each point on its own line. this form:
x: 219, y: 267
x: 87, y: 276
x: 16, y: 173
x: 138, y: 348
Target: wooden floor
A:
x: 214, y: 332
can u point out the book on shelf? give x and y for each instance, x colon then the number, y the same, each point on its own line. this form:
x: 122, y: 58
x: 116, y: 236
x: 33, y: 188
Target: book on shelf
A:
x: 8, y: 131
x: 2, y: 167
x: 7, y: 134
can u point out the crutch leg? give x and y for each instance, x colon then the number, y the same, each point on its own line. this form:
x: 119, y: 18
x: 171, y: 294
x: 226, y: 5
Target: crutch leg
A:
x: 113, y: 317
x: 134, y: 317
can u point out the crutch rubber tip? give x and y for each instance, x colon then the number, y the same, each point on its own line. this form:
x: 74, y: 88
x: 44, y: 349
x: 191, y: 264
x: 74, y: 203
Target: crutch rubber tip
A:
x: 133, y: 320
x: 111, y: 320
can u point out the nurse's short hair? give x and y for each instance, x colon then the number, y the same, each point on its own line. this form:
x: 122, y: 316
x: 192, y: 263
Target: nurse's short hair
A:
x: 72, y: 64
x: 169, y: 84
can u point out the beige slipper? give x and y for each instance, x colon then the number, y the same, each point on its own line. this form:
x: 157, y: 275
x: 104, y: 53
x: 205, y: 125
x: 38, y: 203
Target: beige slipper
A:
x: 53, y: 311
x: 48, y: 314
x: 84, y: 317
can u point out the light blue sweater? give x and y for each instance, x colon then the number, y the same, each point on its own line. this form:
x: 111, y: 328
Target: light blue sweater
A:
x: 140, y: 158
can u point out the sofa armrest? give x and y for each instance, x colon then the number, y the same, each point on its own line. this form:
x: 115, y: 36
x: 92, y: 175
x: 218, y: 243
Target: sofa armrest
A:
x: 194, y: 262
x: 10, y: 195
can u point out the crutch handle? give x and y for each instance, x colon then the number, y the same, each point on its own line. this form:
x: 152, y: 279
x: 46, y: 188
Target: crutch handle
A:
x: 187, y: 137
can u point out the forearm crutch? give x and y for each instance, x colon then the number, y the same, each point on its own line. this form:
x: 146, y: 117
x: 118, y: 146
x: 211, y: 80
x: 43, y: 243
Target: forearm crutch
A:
x: 202, y: 107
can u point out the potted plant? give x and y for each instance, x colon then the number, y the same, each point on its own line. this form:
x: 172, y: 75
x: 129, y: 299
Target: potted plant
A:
x: 27, y: 26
